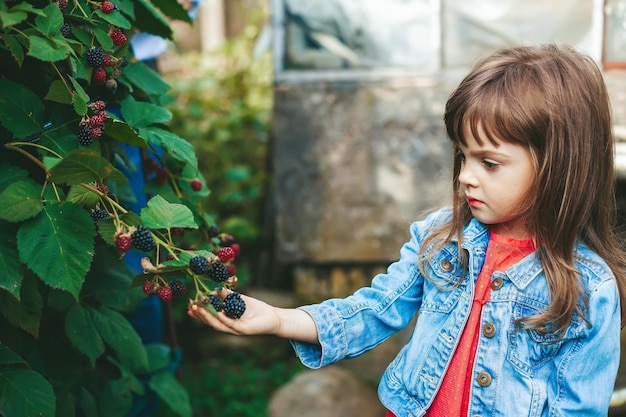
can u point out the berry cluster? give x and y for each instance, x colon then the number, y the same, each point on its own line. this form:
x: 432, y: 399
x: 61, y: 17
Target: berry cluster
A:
x: 93, y: 126
x: 232, y: 304
x: 165, y: 290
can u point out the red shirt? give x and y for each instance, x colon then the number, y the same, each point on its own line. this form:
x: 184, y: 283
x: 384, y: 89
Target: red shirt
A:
x: 452, y: 399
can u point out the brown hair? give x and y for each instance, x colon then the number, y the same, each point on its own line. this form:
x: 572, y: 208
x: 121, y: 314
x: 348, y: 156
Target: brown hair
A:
x: 552, y: 100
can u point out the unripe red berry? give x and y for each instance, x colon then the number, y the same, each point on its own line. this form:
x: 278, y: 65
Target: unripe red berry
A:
x: 165, y: 294
x: 226, y: 254
x: 99, y: 76
x: 124, y: 243
x: 148, y: 287
x: 196, y: 184
x: 107, y: 6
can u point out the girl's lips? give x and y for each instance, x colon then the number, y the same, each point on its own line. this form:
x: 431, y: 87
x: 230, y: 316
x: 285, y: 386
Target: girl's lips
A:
x: 473, y: 202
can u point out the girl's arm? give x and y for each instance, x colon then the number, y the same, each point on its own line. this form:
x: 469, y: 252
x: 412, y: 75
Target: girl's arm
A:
x: 262, y: 318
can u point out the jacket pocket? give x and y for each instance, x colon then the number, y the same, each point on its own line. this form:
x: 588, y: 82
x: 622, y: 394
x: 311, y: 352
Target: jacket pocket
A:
x: 530, y: 349
x: 441, y: 287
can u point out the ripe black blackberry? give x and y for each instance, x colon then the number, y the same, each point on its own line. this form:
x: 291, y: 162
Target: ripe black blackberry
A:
x: 234, y: 306
x: 95, y: 57
x: 99, y: 214
x: 218, y: 272
x: 66, y: 29
x: 142, y: 239
x: 84, y: 137
x: 178, y: 288
x: 214, y: 230
x: 199, y: 265
x: 216, y: 302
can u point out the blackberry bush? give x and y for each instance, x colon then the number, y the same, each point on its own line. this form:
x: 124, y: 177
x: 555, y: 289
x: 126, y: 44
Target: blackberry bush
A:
x: 74, y: 106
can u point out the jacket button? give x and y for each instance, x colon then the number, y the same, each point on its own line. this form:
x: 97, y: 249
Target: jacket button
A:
x: 496, y: 284
x: 484, y: 379
x: 489, y: 329
x: 446, y: 265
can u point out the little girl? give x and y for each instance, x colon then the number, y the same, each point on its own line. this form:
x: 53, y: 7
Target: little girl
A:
x: 517, y: 285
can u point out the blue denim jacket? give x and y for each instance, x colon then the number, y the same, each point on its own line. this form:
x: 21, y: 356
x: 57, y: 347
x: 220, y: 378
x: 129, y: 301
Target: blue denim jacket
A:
x: 517, y: 372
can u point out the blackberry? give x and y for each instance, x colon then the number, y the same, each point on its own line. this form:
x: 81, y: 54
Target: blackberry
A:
x: 84, y: 137
x: 216, y: 302
x: 199, y: 265
x: 234, y: 306
x: 99, y: 214
x: 142, y: 239
x: 165, y: 293
x: 214, y: 230
x: 66, y: 30
x: 218, y: 272
x: 95, y: 57
x: 148, y: 288
x: 178, y: 288
x: 226, y: 254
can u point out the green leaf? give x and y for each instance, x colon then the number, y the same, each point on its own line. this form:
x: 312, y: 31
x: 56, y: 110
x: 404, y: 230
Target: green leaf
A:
x: 117, y: 399
x: 20, y: 201
x: 47, y: 49
x: 52, y: 21
x: 65, y: 233
x: 11, y: 278
x: 144, y: 78
x: 12, y: 18
x: 21, y: 111
x: 87, y: 403
x: 80, y: 329
x: 149, y: 19
x: 120, y: 335
x: 160, y: 214
x: 59, y: 93
x: 13, y: 45
x: 83, y: 166
x: 25, y: 393
x: 173, y: 9
x: 171, y: 392
x: 103, y: 38
x: 9, y: 357
x: 82, y: 196
x: 140, y: 114
x: 79, y: 89
x: 10, y: 174
x: 25, y: 314
x: 123, y: 133
x: 177, y: 147
x: 114, y: 18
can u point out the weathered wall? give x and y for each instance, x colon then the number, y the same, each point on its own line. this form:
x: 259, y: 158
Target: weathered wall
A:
x: 354, y: 164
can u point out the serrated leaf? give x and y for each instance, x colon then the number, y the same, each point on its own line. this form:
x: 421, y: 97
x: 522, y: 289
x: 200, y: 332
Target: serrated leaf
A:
x: 171, y: 392
x: 52, y: 21
x: 12, y: 17
x: 9, y: 357
x: 120, y: 335
x: 58, y: 93
x: 173, y: 9
x: 80, y: 105
x: 79, y: 89
x: 140, y: 114
x: 149, y: 19
x: 65, y: 233
x: 16, y: 48
x: 11, y: 278
x: 10, y: 174
x: 126, y: 7
x: 161, y: 214
x: 82, y: 196
x: 20, y: 201
x: 80, y: 329
x: 46, y: 49
x: 103, y: 38
x: 145, y: 79
x: 114, y: 18
x: 123, y: 133
x: 24, y: 392
x: 21, y: 111
x: 25, y: 314
x: 83, y: 166
x: 27, y: 7
x: 177, y: 147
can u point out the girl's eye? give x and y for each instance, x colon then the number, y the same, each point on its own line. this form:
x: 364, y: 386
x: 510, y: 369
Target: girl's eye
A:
x: 490, y: 165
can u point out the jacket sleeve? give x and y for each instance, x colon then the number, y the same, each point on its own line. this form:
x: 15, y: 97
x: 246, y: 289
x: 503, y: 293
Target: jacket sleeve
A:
x: 354, y: 325
x: 585, y: 377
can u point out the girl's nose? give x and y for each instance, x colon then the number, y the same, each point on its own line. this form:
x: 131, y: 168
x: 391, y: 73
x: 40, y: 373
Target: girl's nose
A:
x: 466, y: 176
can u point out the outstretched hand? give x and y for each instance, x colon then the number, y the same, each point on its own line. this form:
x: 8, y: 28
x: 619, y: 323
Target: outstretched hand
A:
x: 261, y: 318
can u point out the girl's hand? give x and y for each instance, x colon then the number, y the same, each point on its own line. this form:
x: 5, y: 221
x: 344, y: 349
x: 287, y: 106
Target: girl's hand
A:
x: 261, y: 318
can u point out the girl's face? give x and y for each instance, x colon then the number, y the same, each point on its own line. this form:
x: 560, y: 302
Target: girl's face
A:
x: 495, y: 180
